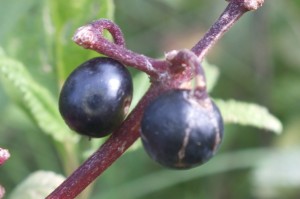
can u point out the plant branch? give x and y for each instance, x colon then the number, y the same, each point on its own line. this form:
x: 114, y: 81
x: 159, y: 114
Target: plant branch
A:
x: 234, y: 10
x: 165, y: 75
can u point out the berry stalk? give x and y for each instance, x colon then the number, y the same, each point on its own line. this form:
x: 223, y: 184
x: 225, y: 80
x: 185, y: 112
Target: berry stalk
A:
x: 91, y: 37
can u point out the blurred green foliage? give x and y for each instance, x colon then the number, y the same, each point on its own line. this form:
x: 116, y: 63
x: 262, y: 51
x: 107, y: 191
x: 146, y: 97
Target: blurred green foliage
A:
x: 258, y: 61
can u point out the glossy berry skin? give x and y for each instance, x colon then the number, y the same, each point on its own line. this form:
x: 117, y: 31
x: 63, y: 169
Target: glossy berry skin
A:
x: 180, y: 131
x: 96, y: 97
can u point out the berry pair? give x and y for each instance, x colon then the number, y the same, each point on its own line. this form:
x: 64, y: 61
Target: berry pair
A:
x: 181, y: 130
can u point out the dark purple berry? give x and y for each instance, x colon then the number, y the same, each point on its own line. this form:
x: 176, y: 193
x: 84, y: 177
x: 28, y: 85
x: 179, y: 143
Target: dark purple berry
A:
x: 96, y: 97
x: 180, y: 131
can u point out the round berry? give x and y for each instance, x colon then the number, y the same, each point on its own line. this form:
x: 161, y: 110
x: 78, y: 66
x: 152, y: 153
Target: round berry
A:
x: 96, y: 97
x: 180, y: 131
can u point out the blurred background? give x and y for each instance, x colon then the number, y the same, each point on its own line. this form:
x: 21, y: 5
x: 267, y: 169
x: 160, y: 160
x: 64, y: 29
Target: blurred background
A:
x: 258, y: 61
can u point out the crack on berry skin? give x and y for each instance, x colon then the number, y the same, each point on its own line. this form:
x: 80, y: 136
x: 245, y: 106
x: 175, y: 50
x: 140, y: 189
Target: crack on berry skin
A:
x: 219, y: 128
x: 181, y: 152
x: 127, y: 103
x: 217, y: 140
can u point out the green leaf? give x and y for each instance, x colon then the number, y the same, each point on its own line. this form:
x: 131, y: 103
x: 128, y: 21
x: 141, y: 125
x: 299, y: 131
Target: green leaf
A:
x: 165, y: 178
x: 107, y: 9
x: 277, y: 175
x: 141, y: 84
x: 35, y: 99
x: 37, y: 185
x: 11, y: 12
x: 248, y: 114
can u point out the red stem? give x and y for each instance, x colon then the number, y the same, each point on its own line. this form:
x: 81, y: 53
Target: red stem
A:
x: 231, y: 14
x: 91, y: 37
x: 234, y: 10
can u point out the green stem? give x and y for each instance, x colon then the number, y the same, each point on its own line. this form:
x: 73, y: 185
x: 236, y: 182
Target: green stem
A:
x: 68, y: 155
